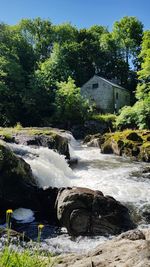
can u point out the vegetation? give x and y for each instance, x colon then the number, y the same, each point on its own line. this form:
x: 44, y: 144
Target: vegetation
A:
x: 138, y: 116
x: 131, y: 143
x: 37, y: 58
x: 11, y: 257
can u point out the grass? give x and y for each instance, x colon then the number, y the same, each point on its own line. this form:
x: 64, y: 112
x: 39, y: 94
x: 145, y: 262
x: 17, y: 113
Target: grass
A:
x: 10, y: 257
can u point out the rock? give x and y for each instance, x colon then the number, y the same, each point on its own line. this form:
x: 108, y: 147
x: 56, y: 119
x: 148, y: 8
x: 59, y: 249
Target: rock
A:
x: 134, y: 137
x: 132, y: 145
x: 145, y: 152
x: 93, y: 127
x: 132, y: 235
x: 56, y: 142
x: 86, y: 212
x: 17, y: 184
x: 46, y: 137
x: 117, y: 252
x: 93, y: 140
x: 13, y: 234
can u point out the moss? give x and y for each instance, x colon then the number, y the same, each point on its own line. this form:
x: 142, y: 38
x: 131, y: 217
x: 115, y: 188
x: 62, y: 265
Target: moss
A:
x: 130, y: 143
x: 8, y: 133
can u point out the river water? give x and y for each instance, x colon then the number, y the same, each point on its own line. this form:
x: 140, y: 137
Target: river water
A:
x: 113, y: 175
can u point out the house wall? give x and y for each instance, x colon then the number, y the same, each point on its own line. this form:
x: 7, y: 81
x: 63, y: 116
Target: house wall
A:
x: 105, y: 96
x: 121, y: 97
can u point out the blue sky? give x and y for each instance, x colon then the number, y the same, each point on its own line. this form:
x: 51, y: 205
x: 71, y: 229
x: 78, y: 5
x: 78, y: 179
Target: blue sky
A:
x: 81, y: 13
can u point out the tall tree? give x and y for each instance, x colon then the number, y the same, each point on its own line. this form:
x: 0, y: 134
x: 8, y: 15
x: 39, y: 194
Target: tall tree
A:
x: 40, y: 34
x: 143, y: 89
x: 128, y: 33
x: 65, y: 33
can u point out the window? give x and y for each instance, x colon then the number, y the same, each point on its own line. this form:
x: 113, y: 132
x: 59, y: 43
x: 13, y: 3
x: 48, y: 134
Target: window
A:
x: 116, y: 95
x: 95, y: 85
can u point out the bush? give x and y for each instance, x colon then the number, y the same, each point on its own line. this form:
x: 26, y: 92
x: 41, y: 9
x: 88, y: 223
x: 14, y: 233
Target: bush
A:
x: 137, y: 116
x: 71, y: 108
x: 127, y: 118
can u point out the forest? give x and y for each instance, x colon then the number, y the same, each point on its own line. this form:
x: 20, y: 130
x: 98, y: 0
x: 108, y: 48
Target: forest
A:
x: 43, y: 66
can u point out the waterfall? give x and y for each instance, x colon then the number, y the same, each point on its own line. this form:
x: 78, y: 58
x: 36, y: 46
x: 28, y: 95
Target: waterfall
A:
x: 48, y: 167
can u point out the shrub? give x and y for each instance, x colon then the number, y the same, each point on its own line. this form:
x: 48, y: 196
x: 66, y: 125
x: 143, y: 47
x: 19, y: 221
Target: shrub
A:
x: 127, y: 118
x: 137, y: 116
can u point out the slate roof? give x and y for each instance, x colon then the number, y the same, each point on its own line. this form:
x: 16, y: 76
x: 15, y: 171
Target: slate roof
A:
x: 107, y: 81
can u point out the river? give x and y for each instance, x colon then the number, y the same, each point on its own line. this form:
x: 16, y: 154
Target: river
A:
x: 113, y: 175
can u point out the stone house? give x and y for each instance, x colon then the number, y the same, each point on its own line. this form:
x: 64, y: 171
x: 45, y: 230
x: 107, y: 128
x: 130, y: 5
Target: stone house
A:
x: 106, y: 95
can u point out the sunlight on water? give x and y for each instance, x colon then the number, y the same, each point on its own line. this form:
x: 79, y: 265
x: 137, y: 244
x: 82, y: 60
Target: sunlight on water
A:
x: 49, y: 168
x: 113, y: 175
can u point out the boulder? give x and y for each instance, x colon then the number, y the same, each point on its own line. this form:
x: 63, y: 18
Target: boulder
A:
x: 87, y: 212
x: 132, y: 249
x: 46, y: 137
x: 17, y: 184
x: 133, y: 145
x: 55, y: 141
x: 94, y: 140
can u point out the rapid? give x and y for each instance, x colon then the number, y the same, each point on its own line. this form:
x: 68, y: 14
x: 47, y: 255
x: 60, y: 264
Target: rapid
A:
x: 113, y: 175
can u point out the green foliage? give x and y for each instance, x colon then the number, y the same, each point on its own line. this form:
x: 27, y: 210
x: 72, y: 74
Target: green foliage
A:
x: 71, y: 108
x: 109, y: 119
x: 128, y: 32
x: 10, y: 258
x: 35, y: 55
x: 143, y: 89
x: 38, y: 33
x: 127, y: 118
x: 137, y: 116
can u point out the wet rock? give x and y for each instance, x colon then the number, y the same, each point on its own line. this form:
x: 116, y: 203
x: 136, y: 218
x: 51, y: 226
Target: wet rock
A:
x: 145, y: 152
x: 132, y: 145
x: 13, y: 235
x: 46, y: 137
x: 55, y: 141
x: 17, y: 184
x: 86, y: 212
x: 94, y: 140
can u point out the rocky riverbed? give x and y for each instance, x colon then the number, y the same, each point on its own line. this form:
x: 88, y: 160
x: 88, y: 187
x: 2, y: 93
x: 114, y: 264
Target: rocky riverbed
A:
x: 28, y: 160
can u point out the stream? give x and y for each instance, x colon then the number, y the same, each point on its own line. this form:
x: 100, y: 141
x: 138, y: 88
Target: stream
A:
x: 113, y: 175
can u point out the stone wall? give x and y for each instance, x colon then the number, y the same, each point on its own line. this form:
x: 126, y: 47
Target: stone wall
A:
x: 105, y: 96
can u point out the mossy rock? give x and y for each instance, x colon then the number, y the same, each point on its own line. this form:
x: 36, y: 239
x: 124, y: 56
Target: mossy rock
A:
x: 128, y: 143
x: 145, y: 152
x: 46, y: 137
x: 134, y: 137
x: 17, y: 184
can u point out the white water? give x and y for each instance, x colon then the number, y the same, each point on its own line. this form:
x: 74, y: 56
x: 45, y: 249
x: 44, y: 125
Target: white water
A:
x: 49, y: 168
x: 23, y: 215
x: 110, y: 174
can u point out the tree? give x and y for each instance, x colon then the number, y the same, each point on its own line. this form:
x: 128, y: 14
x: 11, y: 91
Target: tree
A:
x: 139, y: 115
x: 65, y: 33
x: 38, y: 33
x: 71, y: 108
x: 128, y: 33
x: 143, y: 89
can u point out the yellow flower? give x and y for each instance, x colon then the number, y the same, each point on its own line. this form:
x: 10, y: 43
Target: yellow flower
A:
x: 40, y: 226
x: 9, y: 211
